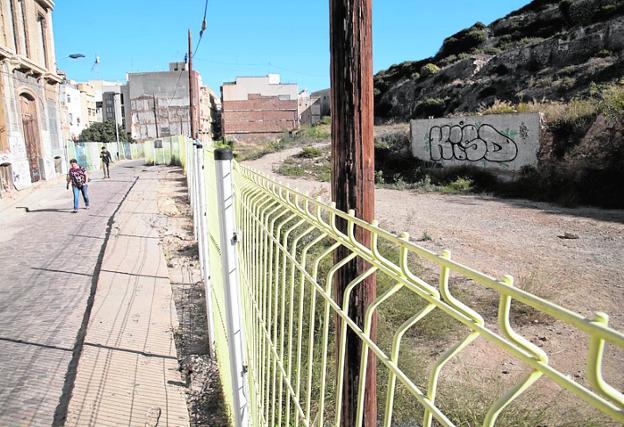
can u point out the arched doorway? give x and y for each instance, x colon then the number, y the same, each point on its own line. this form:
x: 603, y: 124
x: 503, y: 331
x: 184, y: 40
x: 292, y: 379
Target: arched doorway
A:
x: 30, y: 125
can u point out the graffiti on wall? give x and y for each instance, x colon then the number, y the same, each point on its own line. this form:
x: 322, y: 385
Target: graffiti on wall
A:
x: 504, y: 143
x: 472, y: 143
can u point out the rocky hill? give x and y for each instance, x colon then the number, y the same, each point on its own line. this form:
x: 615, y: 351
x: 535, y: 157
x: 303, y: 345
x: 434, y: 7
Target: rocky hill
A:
x: 547, y: 50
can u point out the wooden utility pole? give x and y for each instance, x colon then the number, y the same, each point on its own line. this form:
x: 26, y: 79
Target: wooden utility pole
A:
x: 192, y: 104
x: 353, y: 180
x: 155, y: 114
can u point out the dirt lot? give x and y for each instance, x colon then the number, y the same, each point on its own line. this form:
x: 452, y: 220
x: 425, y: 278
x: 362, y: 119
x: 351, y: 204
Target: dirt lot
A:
x: 508, y: 236
x: 582, y: 272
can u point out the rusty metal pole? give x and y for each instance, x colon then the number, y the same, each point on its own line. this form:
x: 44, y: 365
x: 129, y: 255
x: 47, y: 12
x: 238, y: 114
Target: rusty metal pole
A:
x: 353, y: 179
x: 192, y: 106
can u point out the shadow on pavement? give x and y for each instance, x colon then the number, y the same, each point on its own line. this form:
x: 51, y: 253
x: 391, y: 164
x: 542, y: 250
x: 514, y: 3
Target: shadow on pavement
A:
x: 28, y: 210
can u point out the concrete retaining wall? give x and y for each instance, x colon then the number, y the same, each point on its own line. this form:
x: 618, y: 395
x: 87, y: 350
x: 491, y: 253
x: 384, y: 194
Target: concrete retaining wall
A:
x: 498, y: 142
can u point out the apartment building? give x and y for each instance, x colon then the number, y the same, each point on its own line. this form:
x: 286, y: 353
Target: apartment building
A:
x: 256, y: 108
x: 31, y: 146
x: 159, y: 102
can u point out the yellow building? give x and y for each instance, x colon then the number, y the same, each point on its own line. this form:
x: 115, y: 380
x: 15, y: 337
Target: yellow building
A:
x: 31, y: 146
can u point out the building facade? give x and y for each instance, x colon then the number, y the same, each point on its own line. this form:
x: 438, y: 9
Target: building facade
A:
x: 159, y: 103
x: 113, y: 106
x: 31, y: 146
x: 309, y: 109
x: 325, y: 100
x: 210, y: 114
x: 256, y: 108
x: 156, y: 104
x: 72, y: 121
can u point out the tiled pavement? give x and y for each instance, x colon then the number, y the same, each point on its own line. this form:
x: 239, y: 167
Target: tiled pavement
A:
x: 127, y: 373
x: 47, y: 259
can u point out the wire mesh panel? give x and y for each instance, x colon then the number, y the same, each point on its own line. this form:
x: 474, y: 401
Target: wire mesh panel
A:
x: 443, y: 328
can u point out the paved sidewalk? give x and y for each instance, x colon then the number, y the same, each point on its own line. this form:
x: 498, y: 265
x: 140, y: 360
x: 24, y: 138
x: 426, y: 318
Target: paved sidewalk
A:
x: 48, y: 257
x: 127, y: 374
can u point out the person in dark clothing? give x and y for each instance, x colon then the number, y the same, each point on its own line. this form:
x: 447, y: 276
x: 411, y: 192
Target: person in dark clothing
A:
x: 78, y: 178
x: 105, y: 155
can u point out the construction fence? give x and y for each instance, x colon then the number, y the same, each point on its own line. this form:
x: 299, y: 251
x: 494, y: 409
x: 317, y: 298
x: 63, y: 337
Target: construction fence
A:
x: 453, y: 346
x: 88, y: 153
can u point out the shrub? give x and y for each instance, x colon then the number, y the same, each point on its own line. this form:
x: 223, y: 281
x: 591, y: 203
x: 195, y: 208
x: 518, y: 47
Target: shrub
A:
x: 429, y: 70
x: 310, y: 152
x: 603, y: 53
x: 464, y: 41
x: 430, y: 107
x: 566, y: 83
x: 491, y: 50
x: 459, y: 185
x: 318, y: 131
x: 498, y: 107
x: 611, y: 103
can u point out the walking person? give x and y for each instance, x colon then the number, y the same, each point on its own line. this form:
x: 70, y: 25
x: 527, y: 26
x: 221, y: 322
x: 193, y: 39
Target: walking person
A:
x: 78, y: 178
x: 105, y: 155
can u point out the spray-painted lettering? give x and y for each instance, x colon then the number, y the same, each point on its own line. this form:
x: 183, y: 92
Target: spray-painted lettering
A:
x: 471, y: 143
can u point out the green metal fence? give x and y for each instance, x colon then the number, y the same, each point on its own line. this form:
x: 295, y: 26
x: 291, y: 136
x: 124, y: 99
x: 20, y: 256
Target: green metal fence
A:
x: 88, y: 153
x: 285, y: 244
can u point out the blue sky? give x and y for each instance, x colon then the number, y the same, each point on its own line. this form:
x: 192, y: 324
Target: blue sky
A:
x: 249, y: 37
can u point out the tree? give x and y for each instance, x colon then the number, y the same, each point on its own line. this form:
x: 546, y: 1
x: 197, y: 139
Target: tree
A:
x: 103, y: 132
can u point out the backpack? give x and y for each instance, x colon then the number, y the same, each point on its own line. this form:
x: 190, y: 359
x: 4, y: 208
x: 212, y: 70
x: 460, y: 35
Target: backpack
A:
x: 78, y: 178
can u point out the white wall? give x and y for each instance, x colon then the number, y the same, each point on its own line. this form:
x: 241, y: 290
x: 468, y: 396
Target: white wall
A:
x: 500, y: 142
x: 264, y: 85
x: 71, y: 97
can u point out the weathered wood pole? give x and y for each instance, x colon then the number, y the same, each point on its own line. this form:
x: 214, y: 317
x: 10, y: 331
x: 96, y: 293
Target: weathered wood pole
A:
x: 353, y: 179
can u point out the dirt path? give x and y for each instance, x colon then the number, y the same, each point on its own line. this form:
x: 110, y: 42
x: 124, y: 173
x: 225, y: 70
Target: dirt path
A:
x: 508, y: 236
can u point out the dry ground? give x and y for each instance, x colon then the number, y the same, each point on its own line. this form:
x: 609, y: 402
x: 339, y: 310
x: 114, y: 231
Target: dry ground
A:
x: 204, y: 396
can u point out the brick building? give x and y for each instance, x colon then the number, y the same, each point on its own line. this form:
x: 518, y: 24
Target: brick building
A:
x: 256, y: 108
x: 31, y: 146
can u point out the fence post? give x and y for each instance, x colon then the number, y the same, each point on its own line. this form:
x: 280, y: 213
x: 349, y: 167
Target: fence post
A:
x: 194, y: 199
x: 234, y: 321
x: 202, y: 241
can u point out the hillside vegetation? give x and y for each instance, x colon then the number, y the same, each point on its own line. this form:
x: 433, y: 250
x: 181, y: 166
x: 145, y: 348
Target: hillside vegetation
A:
x: 548, y: 50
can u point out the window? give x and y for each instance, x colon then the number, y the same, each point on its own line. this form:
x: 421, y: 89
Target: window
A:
x: 78, y: 121
x: 12, y: 24
x: 24, y: 40
x: 68, y: 99
x: 71, y: 119
x: 41, y: 21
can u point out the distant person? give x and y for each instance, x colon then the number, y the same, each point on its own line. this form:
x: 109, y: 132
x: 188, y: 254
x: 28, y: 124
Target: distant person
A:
x: 105, y: 155
x: 78, y: 178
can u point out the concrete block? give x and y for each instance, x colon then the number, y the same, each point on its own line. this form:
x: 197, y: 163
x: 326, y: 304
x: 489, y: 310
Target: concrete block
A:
x: 497, y: 142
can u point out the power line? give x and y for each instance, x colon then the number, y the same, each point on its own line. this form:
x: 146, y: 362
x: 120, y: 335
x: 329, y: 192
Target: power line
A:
x: 203, y: 28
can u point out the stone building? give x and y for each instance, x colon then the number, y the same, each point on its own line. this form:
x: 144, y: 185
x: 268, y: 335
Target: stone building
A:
x: 31, y: 146
x: 256, y: 108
